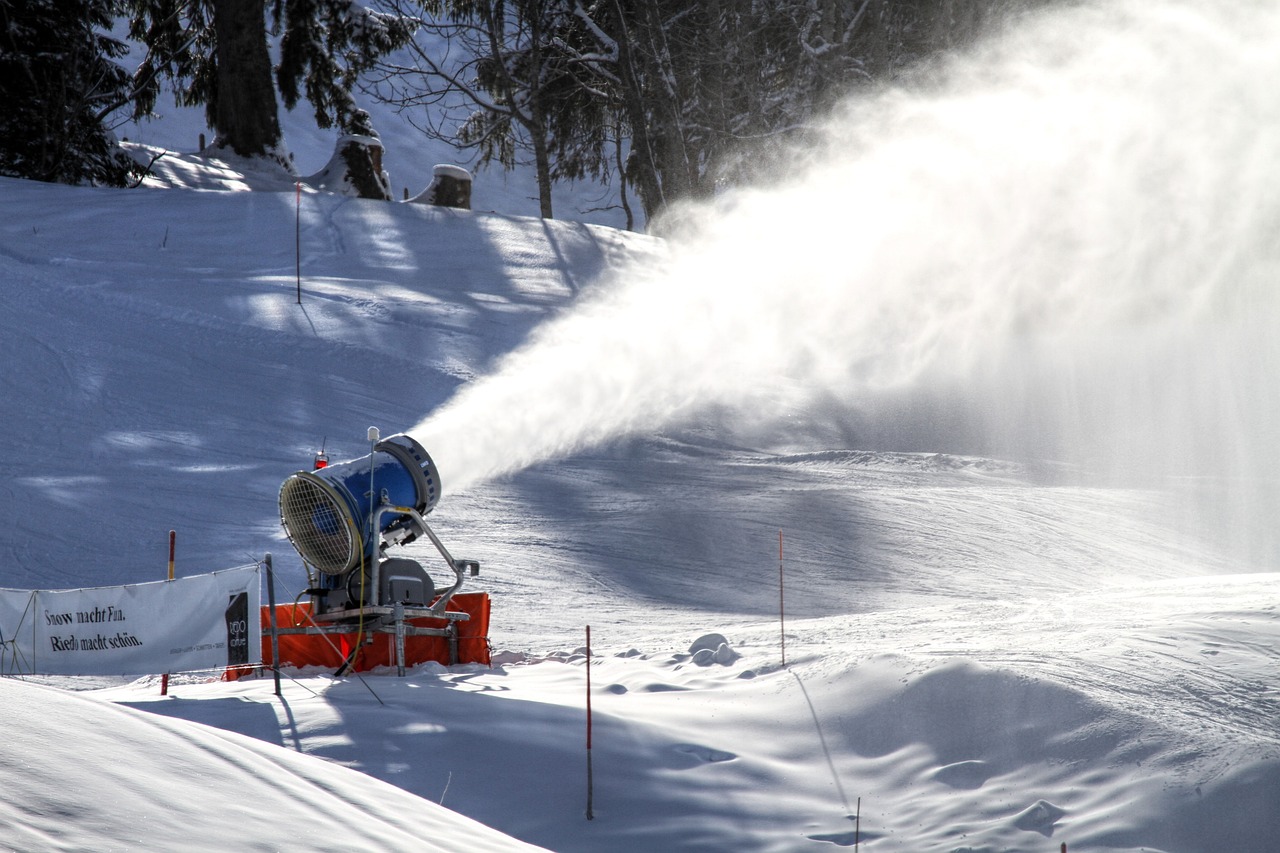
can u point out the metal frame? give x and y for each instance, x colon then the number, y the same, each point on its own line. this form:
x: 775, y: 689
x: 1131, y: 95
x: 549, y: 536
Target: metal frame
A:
x: 390, y: 619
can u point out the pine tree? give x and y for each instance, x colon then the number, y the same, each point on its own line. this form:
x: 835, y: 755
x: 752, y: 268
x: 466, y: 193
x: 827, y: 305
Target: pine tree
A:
x: 58, y: 84
x: 326, y: 46
x: 512, y: 86
x: 535, y: 101
x: 215, y: 54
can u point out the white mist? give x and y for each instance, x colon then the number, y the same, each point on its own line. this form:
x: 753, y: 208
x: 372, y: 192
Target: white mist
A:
x: 1063, y: 246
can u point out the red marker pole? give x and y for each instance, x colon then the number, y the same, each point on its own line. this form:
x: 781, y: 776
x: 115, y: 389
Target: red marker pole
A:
x: 590, y: 792
x: 164, y: 679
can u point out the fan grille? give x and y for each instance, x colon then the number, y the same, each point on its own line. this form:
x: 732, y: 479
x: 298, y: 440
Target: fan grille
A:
x: 317, y: 525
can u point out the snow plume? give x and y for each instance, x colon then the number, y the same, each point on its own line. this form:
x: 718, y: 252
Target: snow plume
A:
x: 1063, y: 245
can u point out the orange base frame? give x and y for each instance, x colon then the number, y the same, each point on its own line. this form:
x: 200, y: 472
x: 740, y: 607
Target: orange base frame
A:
x: 330, y: 650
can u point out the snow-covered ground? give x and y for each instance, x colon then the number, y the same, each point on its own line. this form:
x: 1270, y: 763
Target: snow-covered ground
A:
x: 998, y: 651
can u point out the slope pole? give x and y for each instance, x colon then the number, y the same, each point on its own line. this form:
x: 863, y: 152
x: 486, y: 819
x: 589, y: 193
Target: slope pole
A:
x: 297, y: 237
x: 590, y: 786
x: 275, y: 630
x: 782, y: 610
x: 164, y: 679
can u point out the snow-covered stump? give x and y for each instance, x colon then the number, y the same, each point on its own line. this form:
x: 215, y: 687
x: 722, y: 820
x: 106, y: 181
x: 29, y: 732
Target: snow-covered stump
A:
x: 450, y: 187
x: 355, y: 169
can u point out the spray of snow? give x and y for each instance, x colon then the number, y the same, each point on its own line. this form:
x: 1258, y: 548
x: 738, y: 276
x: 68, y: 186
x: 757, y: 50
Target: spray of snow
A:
x: 1062, y: 245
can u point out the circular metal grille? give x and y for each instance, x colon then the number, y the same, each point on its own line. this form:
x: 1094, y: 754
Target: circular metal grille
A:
x: 317, y: 524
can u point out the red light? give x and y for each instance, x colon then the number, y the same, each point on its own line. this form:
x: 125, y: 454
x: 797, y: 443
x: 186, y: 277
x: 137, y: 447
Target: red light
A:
x: 322, y: 461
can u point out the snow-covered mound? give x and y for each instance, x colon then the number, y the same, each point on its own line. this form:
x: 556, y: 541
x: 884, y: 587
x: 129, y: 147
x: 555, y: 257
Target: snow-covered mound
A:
x: 1015, y: 725
x: 84, y: 775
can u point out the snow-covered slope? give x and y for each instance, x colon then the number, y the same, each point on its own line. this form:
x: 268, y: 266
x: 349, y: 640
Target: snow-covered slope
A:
x: 190, y: 300
x: 966, y: 638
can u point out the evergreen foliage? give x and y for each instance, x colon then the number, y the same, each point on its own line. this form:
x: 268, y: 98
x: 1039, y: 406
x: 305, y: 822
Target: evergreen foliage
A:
x: 326, y: 45
x: 214, y: 53
x: 674, y: 98
x: 58, y: 85
x: 511, y: 86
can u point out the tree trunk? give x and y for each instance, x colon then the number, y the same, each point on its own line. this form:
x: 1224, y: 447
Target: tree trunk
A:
x: 537, y: 128
x: 537, y: 124
x: 642, y: 169
x: 245, y: 112
x: 678, y: 169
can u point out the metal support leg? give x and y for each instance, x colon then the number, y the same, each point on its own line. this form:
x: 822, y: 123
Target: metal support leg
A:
x: 275, y: 629
x: 399, y: 617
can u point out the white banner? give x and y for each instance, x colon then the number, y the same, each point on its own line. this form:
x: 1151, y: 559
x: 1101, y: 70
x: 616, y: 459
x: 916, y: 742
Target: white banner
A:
x: 201, y: 622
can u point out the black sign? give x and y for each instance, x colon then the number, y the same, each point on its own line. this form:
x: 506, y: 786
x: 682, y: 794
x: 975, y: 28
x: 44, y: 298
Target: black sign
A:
x: 238, y: 630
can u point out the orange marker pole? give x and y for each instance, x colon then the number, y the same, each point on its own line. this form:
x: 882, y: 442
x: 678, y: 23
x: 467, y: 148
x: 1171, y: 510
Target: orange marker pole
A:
x: 164, y: 679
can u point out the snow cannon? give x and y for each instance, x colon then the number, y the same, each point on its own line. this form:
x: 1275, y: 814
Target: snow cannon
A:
x: 328, y: 513
x: 342, y: 517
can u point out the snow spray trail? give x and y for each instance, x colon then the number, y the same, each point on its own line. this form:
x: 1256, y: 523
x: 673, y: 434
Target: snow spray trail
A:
x: 1065, y: 244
